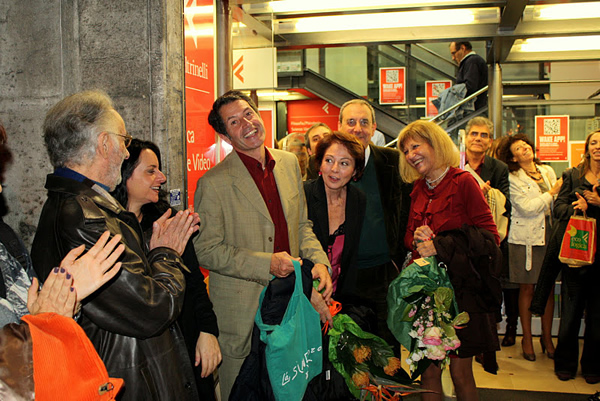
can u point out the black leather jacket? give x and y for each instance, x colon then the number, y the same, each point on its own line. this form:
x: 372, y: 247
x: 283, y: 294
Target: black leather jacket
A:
x: 131, y: 320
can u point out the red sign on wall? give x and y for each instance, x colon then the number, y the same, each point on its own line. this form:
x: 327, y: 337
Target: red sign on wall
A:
x: 552, y: 138
x: 199, y: 90
x: 392, y: 85
x: 432, y: 91
x: 302, y: 114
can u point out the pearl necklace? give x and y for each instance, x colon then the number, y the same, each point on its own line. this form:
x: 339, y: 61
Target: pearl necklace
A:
x: 433, y: 183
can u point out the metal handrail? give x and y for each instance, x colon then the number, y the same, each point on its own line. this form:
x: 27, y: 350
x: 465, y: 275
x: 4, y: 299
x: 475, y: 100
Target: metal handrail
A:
x: 457, y: 105
x: 448, y: 110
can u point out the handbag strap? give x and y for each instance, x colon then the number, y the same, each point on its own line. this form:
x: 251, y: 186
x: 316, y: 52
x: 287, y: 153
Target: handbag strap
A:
x: 265, y: 328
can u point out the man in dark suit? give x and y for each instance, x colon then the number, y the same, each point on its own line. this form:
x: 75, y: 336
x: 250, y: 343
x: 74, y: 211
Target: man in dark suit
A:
x: 472, y: 70
x: 380, y: 251
x: 494, y: 173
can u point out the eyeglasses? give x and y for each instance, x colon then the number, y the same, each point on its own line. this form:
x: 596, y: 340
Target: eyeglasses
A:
x: 127, y: 138
x: 363, y: 122
x: 475, y: 134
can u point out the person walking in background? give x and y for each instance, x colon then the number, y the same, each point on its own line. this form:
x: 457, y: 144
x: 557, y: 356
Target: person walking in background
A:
x: 533, y: 187
x: 472, y: 70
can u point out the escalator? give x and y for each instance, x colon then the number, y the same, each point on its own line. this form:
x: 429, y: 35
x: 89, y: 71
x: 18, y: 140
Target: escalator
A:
x: 337, y: 95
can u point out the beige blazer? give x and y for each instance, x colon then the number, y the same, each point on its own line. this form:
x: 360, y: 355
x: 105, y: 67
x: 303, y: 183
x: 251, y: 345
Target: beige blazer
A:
x: 236, y: 240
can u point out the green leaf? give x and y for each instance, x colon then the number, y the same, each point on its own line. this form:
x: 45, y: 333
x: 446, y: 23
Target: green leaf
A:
x: 461, y: 319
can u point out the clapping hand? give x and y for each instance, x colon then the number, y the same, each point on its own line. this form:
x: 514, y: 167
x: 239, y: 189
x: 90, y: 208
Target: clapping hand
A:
x: 174, y: 232
x: 56, y: 296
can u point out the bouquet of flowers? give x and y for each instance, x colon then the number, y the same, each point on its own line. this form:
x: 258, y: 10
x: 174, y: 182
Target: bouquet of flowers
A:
x: 423, y: 314
x: 366, y: 362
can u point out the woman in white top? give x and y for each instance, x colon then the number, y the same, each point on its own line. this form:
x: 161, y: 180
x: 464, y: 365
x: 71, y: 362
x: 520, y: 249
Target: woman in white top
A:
x: 533, y: 187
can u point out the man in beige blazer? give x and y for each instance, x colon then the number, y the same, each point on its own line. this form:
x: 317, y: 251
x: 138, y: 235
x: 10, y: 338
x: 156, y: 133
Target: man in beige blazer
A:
x: 237, y: 236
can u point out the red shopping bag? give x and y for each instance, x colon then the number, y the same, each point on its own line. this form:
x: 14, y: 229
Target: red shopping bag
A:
x: 578, y: 246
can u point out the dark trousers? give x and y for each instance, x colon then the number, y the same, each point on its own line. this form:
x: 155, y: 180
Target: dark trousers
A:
x: 579, y: 293
x: 368, y: 287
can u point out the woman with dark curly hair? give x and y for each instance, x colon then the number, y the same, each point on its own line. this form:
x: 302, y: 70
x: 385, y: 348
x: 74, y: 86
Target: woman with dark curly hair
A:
x: 533, y: 188
x: 140, y: 193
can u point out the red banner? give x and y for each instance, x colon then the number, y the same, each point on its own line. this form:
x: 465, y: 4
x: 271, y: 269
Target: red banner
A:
x: 392, y: 85
x: 552, y: 138
x: 432, y: 91
x: 302, y: 114
x: 199, y: 90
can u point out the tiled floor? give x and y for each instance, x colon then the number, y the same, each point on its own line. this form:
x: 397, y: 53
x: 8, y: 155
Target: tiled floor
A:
x: 519, y: 374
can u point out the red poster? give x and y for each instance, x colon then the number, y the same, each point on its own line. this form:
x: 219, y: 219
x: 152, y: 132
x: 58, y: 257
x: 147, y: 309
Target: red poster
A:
x: 432, y: 91
x: 576, y: 151
x: 267, y: 117
x: 552, y: 138
x: 199, y: 90
x: 392, y: 88
x: 302, y: 114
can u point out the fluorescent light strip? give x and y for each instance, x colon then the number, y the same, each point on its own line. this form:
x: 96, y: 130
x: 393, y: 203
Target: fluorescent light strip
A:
x: 377, y: 21
x: 564, y: 11
x: 285, y: 6
x: 559, y: 44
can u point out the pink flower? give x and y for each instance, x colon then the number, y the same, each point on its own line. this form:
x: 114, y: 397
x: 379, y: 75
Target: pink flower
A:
x: 436, y: 353
x: 432, y: 336
x: 412, y: 312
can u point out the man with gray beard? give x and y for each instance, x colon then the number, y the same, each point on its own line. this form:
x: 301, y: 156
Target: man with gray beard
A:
x: 131, y: 319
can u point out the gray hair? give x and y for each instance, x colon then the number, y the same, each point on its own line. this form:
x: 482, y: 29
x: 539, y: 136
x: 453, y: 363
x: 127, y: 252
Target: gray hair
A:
x: 72, y: 126
x: 358, y: 101
x: 480, y: 121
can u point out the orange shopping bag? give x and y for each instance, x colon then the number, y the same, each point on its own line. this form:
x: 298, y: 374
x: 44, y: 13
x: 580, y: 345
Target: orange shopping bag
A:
x: 578, y: 246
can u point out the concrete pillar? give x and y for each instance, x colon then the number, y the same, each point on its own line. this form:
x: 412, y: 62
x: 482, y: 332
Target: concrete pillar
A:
x: 133, y: 50
x: 224, y: 47
x: 495, y: 97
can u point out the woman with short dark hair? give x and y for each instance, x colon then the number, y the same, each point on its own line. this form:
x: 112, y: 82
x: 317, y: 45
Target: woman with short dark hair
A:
x: 336, y: 208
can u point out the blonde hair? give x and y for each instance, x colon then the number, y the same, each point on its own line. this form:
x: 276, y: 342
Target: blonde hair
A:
x: 444, y: 150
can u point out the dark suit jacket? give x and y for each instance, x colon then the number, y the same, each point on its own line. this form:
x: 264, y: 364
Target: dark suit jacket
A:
x: 496, y: 172
x: 395, y: 198
x: 473, y: 72
x: 356, y: 202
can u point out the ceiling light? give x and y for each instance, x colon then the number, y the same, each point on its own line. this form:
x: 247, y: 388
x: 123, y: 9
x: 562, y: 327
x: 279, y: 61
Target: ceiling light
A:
x: 286, y: 6
x: 558, y: 44
x: 562, y: 11
x: 386, y: 20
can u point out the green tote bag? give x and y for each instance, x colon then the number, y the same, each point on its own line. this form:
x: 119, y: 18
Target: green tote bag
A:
x: 294, y: 352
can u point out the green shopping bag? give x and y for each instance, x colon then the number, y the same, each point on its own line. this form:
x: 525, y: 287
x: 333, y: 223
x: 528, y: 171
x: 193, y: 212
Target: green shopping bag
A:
x: 294, y: 352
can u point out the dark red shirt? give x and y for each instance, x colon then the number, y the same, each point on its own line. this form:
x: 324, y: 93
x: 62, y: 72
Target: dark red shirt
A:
x: 265, y: 181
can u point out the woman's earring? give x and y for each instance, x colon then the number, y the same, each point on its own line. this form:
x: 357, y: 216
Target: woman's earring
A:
x: 320, y: 173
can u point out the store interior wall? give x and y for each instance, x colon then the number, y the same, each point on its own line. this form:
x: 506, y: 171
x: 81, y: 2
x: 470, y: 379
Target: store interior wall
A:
x: 50, y: 49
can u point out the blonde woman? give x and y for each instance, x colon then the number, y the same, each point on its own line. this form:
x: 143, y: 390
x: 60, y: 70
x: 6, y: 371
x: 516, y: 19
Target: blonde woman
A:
x: 445, y: 199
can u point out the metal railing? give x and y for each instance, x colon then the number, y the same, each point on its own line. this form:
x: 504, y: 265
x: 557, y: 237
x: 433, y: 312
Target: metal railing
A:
x: 448, y: 110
